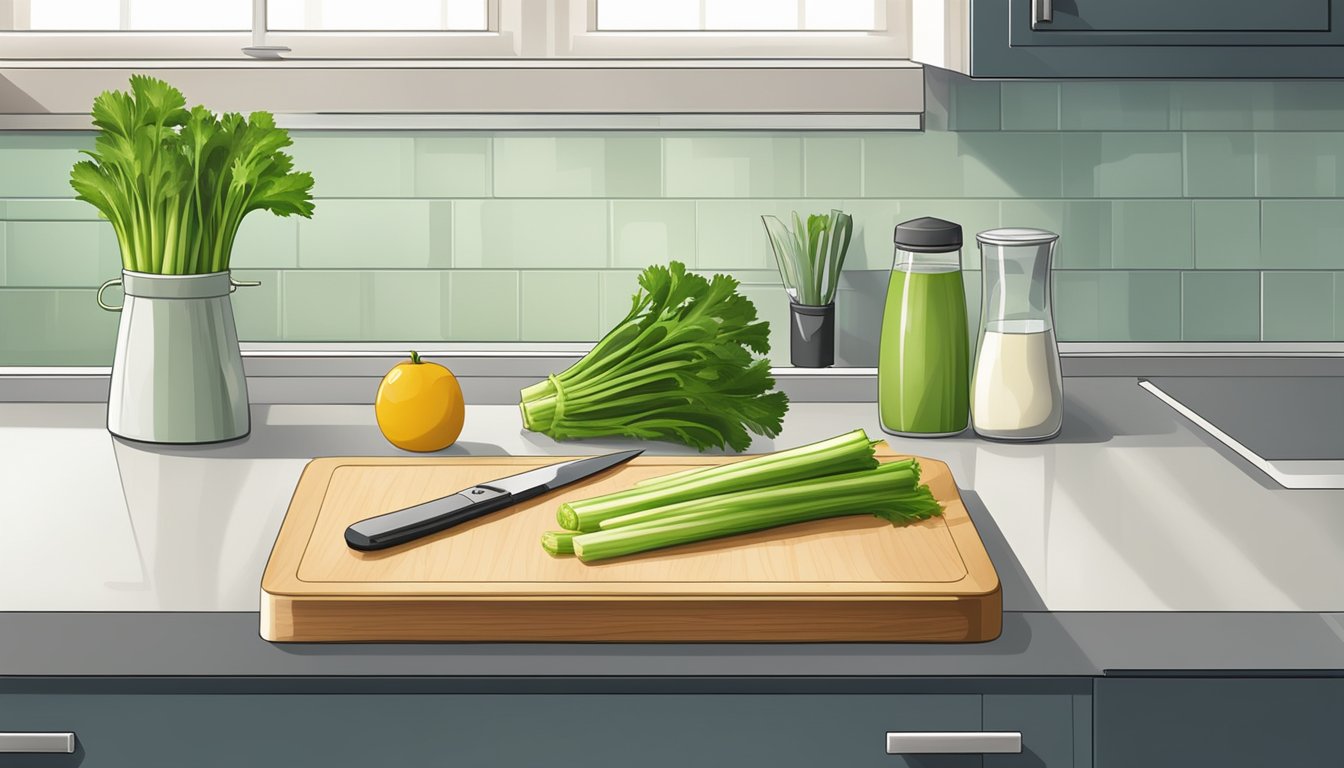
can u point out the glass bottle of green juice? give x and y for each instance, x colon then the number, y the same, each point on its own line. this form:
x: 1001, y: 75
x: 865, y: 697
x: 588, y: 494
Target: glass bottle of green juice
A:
x: 923, y: 366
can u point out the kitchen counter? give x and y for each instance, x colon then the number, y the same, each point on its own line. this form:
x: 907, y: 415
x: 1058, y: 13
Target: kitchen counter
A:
x: 1131, y: 542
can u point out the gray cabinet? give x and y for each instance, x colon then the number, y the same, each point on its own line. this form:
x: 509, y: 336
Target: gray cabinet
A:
x: 142, y: 730
x: 1138, y: 38
x: 1224, y: 722
x: 1056, y: 728
x: 115, y: 729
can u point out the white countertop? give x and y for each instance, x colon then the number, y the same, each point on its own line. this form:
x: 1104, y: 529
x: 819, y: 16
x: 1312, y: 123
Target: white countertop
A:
x: 1130, y: 509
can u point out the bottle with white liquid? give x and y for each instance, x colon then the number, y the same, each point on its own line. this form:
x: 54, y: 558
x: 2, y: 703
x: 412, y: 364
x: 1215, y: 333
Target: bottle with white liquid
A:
x: 1016, y: 389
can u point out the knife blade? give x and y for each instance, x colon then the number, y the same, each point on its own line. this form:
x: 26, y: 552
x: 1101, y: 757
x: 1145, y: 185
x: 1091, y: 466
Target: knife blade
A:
x: 410, y: 523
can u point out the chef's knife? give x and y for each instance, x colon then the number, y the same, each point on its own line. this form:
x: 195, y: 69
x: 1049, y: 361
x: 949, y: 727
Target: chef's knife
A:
x: 411, y: 523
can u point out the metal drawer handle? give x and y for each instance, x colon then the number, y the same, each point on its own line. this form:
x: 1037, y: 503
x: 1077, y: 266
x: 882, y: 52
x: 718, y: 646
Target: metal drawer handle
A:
x: 955, y: 743
x: 35, y: 743
x: 32, y: 743
x: 1042, y: 12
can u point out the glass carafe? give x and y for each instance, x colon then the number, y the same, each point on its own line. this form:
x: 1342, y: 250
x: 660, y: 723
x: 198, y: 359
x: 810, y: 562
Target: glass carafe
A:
x: 923, y: 376
x: 1016, y: 390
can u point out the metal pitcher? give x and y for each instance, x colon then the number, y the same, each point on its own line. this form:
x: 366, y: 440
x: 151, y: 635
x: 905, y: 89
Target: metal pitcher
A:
x: 178, y: 374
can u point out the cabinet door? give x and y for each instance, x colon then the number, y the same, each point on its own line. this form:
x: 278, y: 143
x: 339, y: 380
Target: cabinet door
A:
x: 1223, y: 722
x: 651, y: 731
x: 1056, y: 729
x: 1156, y: 38
x: 1135, y: 21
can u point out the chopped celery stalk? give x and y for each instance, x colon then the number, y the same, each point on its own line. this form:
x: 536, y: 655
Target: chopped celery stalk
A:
x: 850, y: 442
x: 896, y: 477
x: 895, y: 506
x: 558, y: 542
x: 849, y: 452
x: 907, y: 504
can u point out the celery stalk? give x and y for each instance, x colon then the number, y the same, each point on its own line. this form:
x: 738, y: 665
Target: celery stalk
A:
x: 872, y: 492
x: 893, y: 477
x: 558, y: 542
x: 846, y: 453
x: 649, y: 482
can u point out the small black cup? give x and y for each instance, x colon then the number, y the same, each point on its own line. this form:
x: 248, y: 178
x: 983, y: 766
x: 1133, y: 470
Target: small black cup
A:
x: 812, y: 335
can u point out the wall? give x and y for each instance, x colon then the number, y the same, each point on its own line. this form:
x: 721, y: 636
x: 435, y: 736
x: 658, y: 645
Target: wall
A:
x: 1196, y: 211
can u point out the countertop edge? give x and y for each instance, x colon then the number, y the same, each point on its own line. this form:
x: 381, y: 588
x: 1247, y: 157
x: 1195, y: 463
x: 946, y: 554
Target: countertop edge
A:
x: 1033, y: 644
x: 286, y: 376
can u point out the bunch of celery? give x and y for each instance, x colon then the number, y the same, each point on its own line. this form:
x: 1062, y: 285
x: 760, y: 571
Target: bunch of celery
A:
x: 176, y: 183
x: 835, y: 477
x: 680, y: 366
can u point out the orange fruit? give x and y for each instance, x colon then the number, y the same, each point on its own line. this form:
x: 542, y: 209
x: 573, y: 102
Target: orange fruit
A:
x: 419, y: 406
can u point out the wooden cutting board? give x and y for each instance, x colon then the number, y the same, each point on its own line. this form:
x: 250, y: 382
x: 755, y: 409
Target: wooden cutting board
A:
x: 848, y: 579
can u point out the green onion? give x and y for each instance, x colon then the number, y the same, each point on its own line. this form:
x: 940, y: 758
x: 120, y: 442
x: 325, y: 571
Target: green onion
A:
x: 558, y: 542
x: 886, y: 493
x: 846, y: 453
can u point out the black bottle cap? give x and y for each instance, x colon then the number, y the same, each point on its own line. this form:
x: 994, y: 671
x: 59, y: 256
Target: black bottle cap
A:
x: 928, y: 235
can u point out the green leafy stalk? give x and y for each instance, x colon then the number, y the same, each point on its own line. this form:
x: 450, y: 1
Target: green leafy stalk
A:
x: 897, y: 477
x: 845, y: 453
x: 886, y: 492
x: 680, y: 366
x: 176, y: 184
x: 811, y: 254
x: 558, y: 542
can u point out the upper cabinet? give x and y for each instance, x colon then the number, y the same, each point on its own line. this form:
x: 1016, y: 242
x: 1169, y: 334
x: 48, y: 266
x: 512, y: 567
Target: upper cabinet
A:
x: 1133, y: 38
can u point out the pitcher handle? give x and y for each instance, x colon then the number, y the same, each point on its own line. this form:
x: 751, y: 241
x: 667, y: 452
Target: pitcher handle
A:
x: 236, y: 284
x: 104, y: 287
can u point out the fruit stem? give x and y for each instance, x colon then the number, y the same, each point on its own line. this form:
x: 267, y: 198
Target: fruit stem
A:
x: 415, y: 357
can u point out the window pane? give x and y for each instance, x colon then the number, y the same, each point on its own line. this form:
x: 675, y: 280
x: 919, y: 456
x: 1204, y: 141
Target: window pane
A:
x: 139, y: 15
x: 67, y: 14
x: 751, y: 14
x: 644, y: 15
x: 734, y: 15
x: 840, y: 14
x: 361, y: 15
x: 201, y: 14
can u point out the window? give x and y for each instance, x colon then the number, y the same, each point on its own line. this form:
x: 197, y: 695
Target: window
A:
x: 740, y: 28
x: 131, y: 15
x: 221, y: 29
x: 738, y: 15
x: 452, y: 29
x: 477, y: 64
x: 363, y: 16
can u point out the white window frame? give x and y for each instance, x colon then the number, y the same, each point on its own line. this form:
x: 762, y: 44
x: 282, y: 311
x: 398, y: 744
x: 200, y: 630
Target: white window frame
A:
x: 527, y: 29
x: 541, y: 67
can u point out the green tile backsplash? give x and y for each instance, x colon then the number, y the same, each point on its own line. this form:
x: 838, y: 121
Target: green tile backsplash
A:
x: 1298, y: 306
x: 1195, y: 211
x: 1220, y: 306
x: 1110, y: 164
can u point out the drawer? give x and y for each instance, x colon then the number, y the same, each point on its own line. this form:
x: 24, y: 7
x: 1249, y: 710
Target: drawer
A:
x: 593, y: 730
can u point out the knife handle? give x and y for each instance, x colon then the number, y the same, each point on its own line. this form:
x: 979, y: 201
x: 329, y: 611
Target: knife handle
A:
x: 411, y: 523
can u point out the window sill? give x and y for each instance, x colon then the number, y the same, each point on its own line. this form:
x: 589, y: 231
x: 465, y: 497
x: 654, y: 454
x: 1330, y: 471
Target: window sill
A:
x: 482, y: 94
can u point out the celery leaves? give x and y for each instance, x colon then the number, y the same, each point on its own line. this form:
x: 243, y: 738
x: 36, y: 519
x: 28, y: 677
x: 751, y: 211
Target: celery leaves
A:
x: 680, y: 367
x: 176, y: 183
